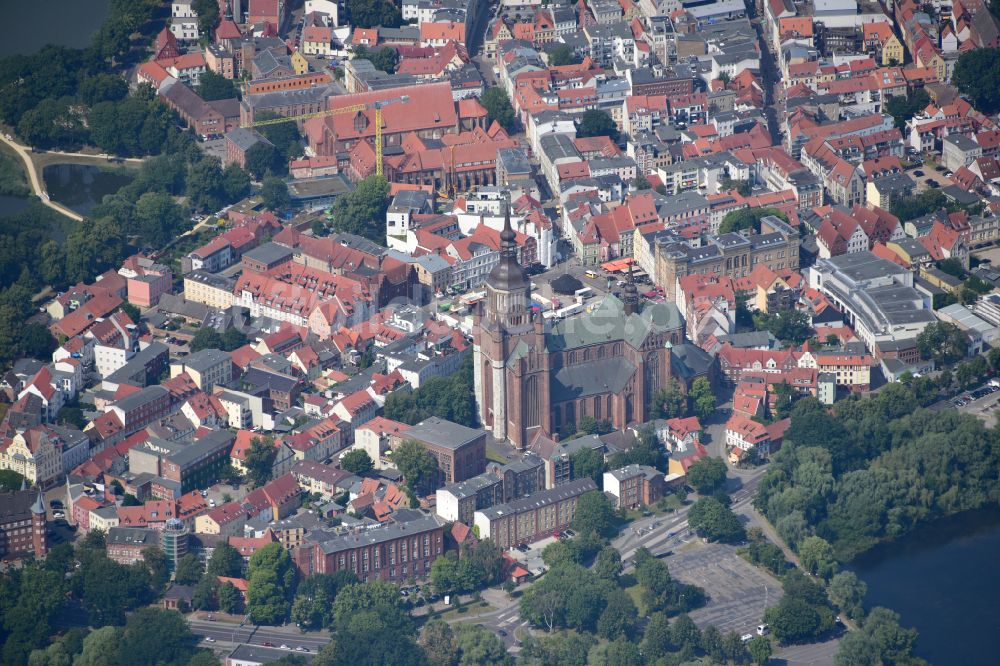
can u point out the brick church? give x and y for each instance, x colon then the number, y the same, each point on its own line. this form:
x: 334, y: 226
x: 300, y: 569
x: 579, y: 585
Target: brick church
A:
x: 535, y: 377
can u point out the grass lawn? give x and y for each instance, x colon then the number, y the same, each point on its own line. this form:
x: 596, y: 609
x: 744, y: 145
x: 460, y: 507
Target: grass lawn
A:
x: 636, y: 593
x: 493, y: 456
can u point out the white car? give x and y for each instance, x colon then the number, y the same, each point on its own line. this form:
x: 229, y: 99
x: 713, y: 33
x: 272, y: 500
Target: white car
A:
x: 209, y: 639
x: 746, y: 638
x: 284, y: 647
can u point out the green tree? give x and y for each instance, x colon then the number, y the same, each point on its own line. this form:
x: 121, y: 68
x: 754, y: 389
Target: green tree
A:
x: 928, y: 201
x: 212, y: 86
x: 207, y: 337
x: 156, y: 561
x: 274, y: 192
x: 10, y: 480
x: 707, y: 475
x: 438, y: 643
x: 847, y: 591
x: 760, y: 649
x: 977, y: 74
x: 208, y: 17
x: 362, y: 211
x: 270, y: 585
x: 204, y: 185
x: 817, y: 557
x: 498, y: 108
x: 356, y: 462
x: 477, y: 646
x: 748, y: 218
x: 588, y: 462
x: 715, y: 521
x: 156, y: 636
x: 189, y: 570
x: 229, y: 597
x: 943, y: 342
x: 793, y: 620
x: 594, y: 513
x: 263, y: 159
x: 670, y: 402
x: 642, y: 183
x: 232, y: 339
x: 374, y: 13
x: 385, y: 59
x: 225, y: 561
x: 260, y: 460
x: 620, y: 652
x: 596, y: 122
x: 609, y: 563
x: 789, y: 326
x: 101, y: 647
x: 562, y: 54
x: 418, y: 466
x: 702, y: 398
x: 657, y: 641
x: 903, y: 107
x: 159, y: 218
x: 235, y: 183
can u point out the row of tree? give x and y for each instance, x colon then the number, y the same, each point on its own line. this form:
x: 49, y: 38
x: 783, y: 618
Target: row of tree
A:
x: 450, y: 398
x: 848, y: 475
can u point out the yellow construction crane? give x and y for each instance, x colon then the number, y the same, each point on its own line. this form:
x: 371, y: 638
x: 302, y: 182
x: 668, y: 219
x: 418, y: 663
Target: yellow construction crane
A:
x: 378, y: 105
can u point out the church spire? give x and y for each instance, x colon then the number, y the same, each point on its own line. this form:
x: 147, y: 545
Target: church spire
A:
x: 508, y: 274
x: 631, y: 297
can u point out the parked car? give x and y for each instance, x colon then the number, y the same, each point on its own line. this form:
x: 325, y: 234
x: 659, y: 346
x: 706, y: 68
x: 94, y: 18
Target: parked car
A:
x: 918, y: 172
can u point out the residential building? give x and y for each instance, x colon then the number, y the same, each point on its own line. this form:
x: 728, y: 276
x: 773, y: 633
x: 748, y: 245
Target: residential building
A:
x: 207, y: 368
x: 534, y: 517
x: 460, y: 451
x: 459, y: 501
x: 22, y: 525
x: 634, y: 486
x: 394, y: 553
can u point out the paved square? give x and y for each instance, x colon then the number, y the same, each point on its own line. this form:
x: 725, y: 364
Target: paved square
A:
x: 737, y: 591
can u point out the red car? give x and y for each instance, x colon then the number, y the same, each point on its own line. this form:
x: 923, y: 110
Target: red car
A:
x: 267, y: 644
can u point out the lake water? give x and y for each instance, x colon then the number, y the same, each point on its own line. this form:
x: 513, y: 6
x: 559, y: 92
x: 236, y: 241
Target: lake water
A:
x: 942, y: 580
x: 28, y: 26
x: 81, y: 187
x: 11, y: 205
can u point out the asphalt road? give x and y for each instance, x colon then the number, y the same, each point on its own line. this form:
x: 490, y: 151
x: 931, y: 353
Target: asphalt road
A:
x: 659, y: 534
x: 221, y: 632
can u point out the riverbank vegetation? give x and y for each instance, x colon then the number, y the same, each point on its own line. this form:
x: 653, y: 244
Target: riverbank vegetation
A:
x: 873, y: 468
x: 66, y: 98
x: 13, y: 179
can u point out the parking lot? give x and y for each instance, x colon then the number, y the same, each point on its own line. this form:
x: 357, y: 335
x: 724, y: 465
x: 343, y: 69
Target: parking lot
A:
x: 737, y: 591
x: 531, y: 556
x: 981, y: 402
x: 926, y: 176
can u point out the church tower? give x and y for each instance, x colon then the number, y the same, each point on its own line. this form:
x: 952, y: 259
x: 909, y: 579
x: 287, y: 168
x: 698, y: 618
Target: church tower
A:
x: 505, y: 318
x: 39, y: 538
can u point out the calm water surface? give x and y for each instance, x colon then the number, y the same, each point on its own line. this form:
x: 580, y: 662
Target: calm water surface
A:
x: 81, y: 187
x: 943, y: 580
x: 28, y: 26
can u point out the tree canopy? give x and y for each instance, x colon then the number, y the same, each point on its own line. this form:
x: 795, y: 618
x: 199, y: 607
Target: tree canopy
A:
x: 362, y: 211
x: 385, y: 59
x: 714, y: 520
x: 418, y: 466
x: 943, y: 342
x: 450, y: 398
x: 498, y: 108
x: 977, y: 74
x: 748, y: 218
x: 596, y: 122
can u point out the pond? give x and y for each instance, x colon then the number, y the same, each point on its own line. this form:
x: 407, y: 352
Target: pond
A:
x: 81, y: 186
x: 941, y: 579
x: 30, y: 26
x: 11, y: 205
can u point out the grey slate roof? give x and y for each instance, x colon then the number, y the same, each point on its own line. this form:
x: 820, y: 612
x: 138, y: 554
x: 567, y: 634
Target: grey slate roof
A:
x: 592, y: 378
x: 544, y: 498
x: 609, y: 322
x: 443, y: 433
